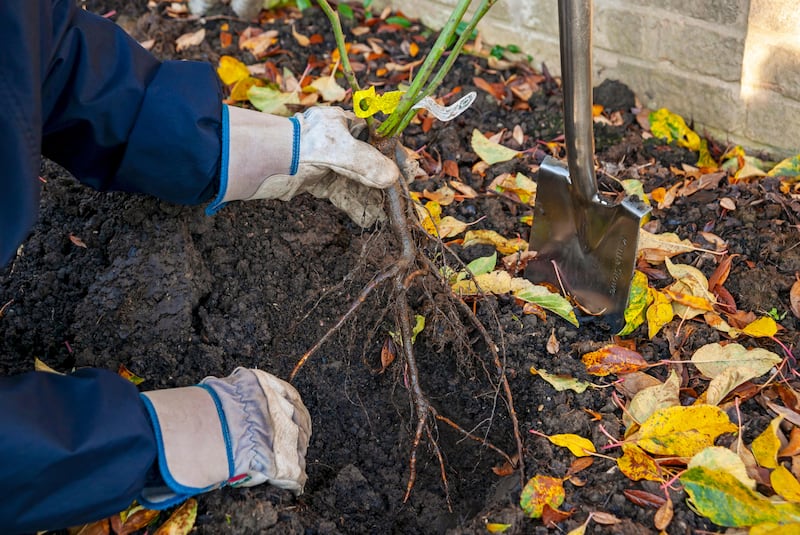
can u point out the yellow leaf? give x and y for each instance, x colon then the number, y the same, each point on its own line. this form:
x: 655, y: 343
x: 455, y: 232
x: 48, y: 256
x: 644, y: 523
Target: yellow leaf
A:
x: 659, y: 313
x: 231, y: 70
x: 449, y: 226
x: 517, y: 187
x: 635, y: 464
x: 271, y: 100
x: 367, y: 103
x: 766, y: 445
x: 788, y: 168
x: 613, y: 359
x: 576, y: 444
x: 489, y: 151
x: 181, y: 521
x: 671, y: 127
x: 429, y: 216
x: 493, y: 527
x: 785, y: 484
x: 683, y: 431
x: 496, y: 282
x: 773, y: 528
x: 241, y: 88
x: 762, y: 327
x: 540, y: 491
x: 40, y: 366
x: 648, y: 400
x: 504, y: 245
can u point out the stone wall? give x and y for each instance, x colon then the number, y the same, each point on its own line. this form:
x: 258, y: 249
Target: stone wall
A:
x: 731, y: 66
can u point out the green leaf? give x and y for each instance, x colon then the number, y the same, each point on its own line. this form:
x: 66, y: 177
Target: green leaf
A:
x: 482, y: 265
x: 562, y: 382
x: 346, y: 11
x: 367, y: 4
x: 497, y: 51
x: 636, y: 311
x: 419, y: 324
x: 461, y: 28
x: 271, y: 100
x: 489, y: 151
x: 790, y: 167
x: 400, y: 21
x: 671, y: 127
x: 723, y: 499
x: 303, y: 4
x: 540, y: 491
x: 540, y: 295
x: 514, y: 49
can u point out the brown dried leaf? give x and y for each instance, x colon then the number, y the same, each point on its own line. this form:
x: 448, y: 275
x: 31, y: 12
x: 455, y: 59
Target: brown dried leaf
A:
x: 101, y: 527
x: 552, y: 343
x: 663, y: 516
x: 579, y: 464
x: 720, y: 274
x: 644, y: 499
x: 551, y: 517
x: 792, y: 448
x: 450, y: 168
x: 388, y: 354
x: 77, y: 241
x: 794, y: 298
x: 301, y: 39
x: 497, y: 89
x: 136, y: 521
x: 190, y: 39
x: 503, y: 470
x: 606, y: 519
x: 181, y: 521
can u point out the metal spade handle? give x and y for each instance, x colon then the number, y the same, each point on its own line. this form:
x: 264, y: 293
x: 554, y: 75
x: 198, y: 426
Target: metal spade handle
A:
x: 575, y: 32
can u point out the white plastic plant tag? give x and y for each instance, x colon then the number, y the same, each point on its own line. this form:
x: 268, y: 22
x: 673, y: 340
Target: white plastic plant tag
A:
x: 447, y: 113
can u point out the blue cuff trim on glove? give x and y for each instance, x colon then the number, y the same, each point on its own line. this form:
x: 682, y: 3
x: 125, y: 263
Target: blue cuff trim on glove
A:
x: 217, y: 204
x: 295, y: 145
x: 225, y: 433
x: 174, y: 493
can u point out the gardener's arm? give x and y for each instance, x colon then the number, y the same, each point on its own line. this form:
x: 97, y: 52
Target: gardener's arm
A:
x: 120, y: 119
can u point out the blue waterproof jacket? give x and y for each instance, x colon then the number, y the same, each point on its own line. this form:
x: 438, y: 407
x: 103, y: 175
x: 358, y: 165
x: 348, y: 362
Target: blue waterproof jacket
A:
x: 77, y: 89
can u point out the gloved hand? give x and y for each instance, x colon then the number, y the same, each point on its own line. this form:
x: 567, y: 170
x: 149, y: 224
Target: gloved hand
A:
x: 271, y: 157
x: 242, y: 430
x: 247, y: 9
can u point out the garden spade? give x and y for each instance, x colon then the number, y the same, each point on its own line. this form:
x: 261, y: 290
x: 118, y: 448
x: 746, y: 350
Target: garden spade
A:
x: 583, y: 244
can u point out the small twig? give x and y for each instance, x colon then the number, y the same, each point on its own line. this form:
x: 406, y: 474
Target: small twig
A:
x: 470, y: 436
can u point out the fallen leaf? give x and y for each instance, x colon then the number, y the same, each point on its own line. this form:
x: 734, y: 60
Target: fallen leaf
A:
x: 576, y: 444
x: 724, y: 500
x: 613, y: 359
x: 540, y: 491
x: 766, y: 445
x: 504, y: 245
x: 543, y: 297
x: 388, y: 354
x: 77, y: 241
x: 649, y: 400
x: 257, y: 41
x: 714, y: 359
x: 136, y: 519
x: 231, y: 70
x: 301, y: 39
x: 663, y: 516
x: 493, y: 527
x: 793, y: 447
x: 785, y: 484
x: 671, y: 127
x: 552, y: 345
x: 271, y: 100
x: 125, y: 373
x: 636, y: 464
x: 490, y: 152
x: 40, y: 366
x: 727, y: 203
x: 643, y: 498
x: 101, y: 527
x: 518, y: 188
x: 561, y: 382
x: 635, y: 311
x: 551, y: 516
x: 190, y: 39
x: 794, y: 298
x: 606, y: 519
x: 329, y: 89
x: 762, y: 327
x: 719, y: 458
x: 181, y: 521
x: 654, y: 248
x: 683, y: 431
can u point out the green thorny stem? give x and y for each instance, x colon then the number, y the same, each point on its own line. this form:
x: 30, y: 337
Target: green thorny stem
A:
x: 402, y: 115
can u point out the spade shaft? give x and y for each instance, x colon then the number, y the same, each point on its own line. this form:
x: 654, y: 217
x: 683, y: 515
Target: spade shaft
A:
x: 583, y: 244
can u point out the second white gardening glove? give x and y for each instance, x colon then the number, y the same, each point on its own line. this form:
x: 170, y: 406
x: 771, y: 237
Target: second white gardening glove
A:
x: 270, y: 157
x: 242, y: 430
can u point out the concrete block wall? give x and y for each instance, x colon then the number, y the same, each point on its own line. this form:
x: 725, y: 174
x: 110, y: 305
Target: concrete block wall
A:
x: 731, y: 66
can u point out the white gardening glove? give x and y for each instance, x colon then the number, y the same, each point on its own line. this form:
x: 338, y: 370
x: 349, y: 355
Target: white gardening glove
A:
x: 270, y: 157
x: 242, y: 430
x: 246, y: 9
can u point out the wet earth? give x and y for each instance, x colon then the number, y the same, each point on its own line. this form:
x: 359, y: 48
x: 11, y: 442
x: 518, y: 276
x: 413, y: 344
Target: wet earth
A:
x: 174, y: 296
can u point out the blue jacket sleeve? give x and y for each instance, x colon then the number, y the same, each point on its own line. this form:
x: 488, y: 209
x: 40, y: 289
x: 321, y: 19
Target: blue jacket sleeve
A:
x: 76, y: 88
x: 74, y: 448
x: 119, y: 119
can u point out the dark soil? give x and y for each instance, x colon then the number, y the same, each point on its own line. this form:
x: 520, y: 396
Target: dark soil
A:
x: 175, y: 296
